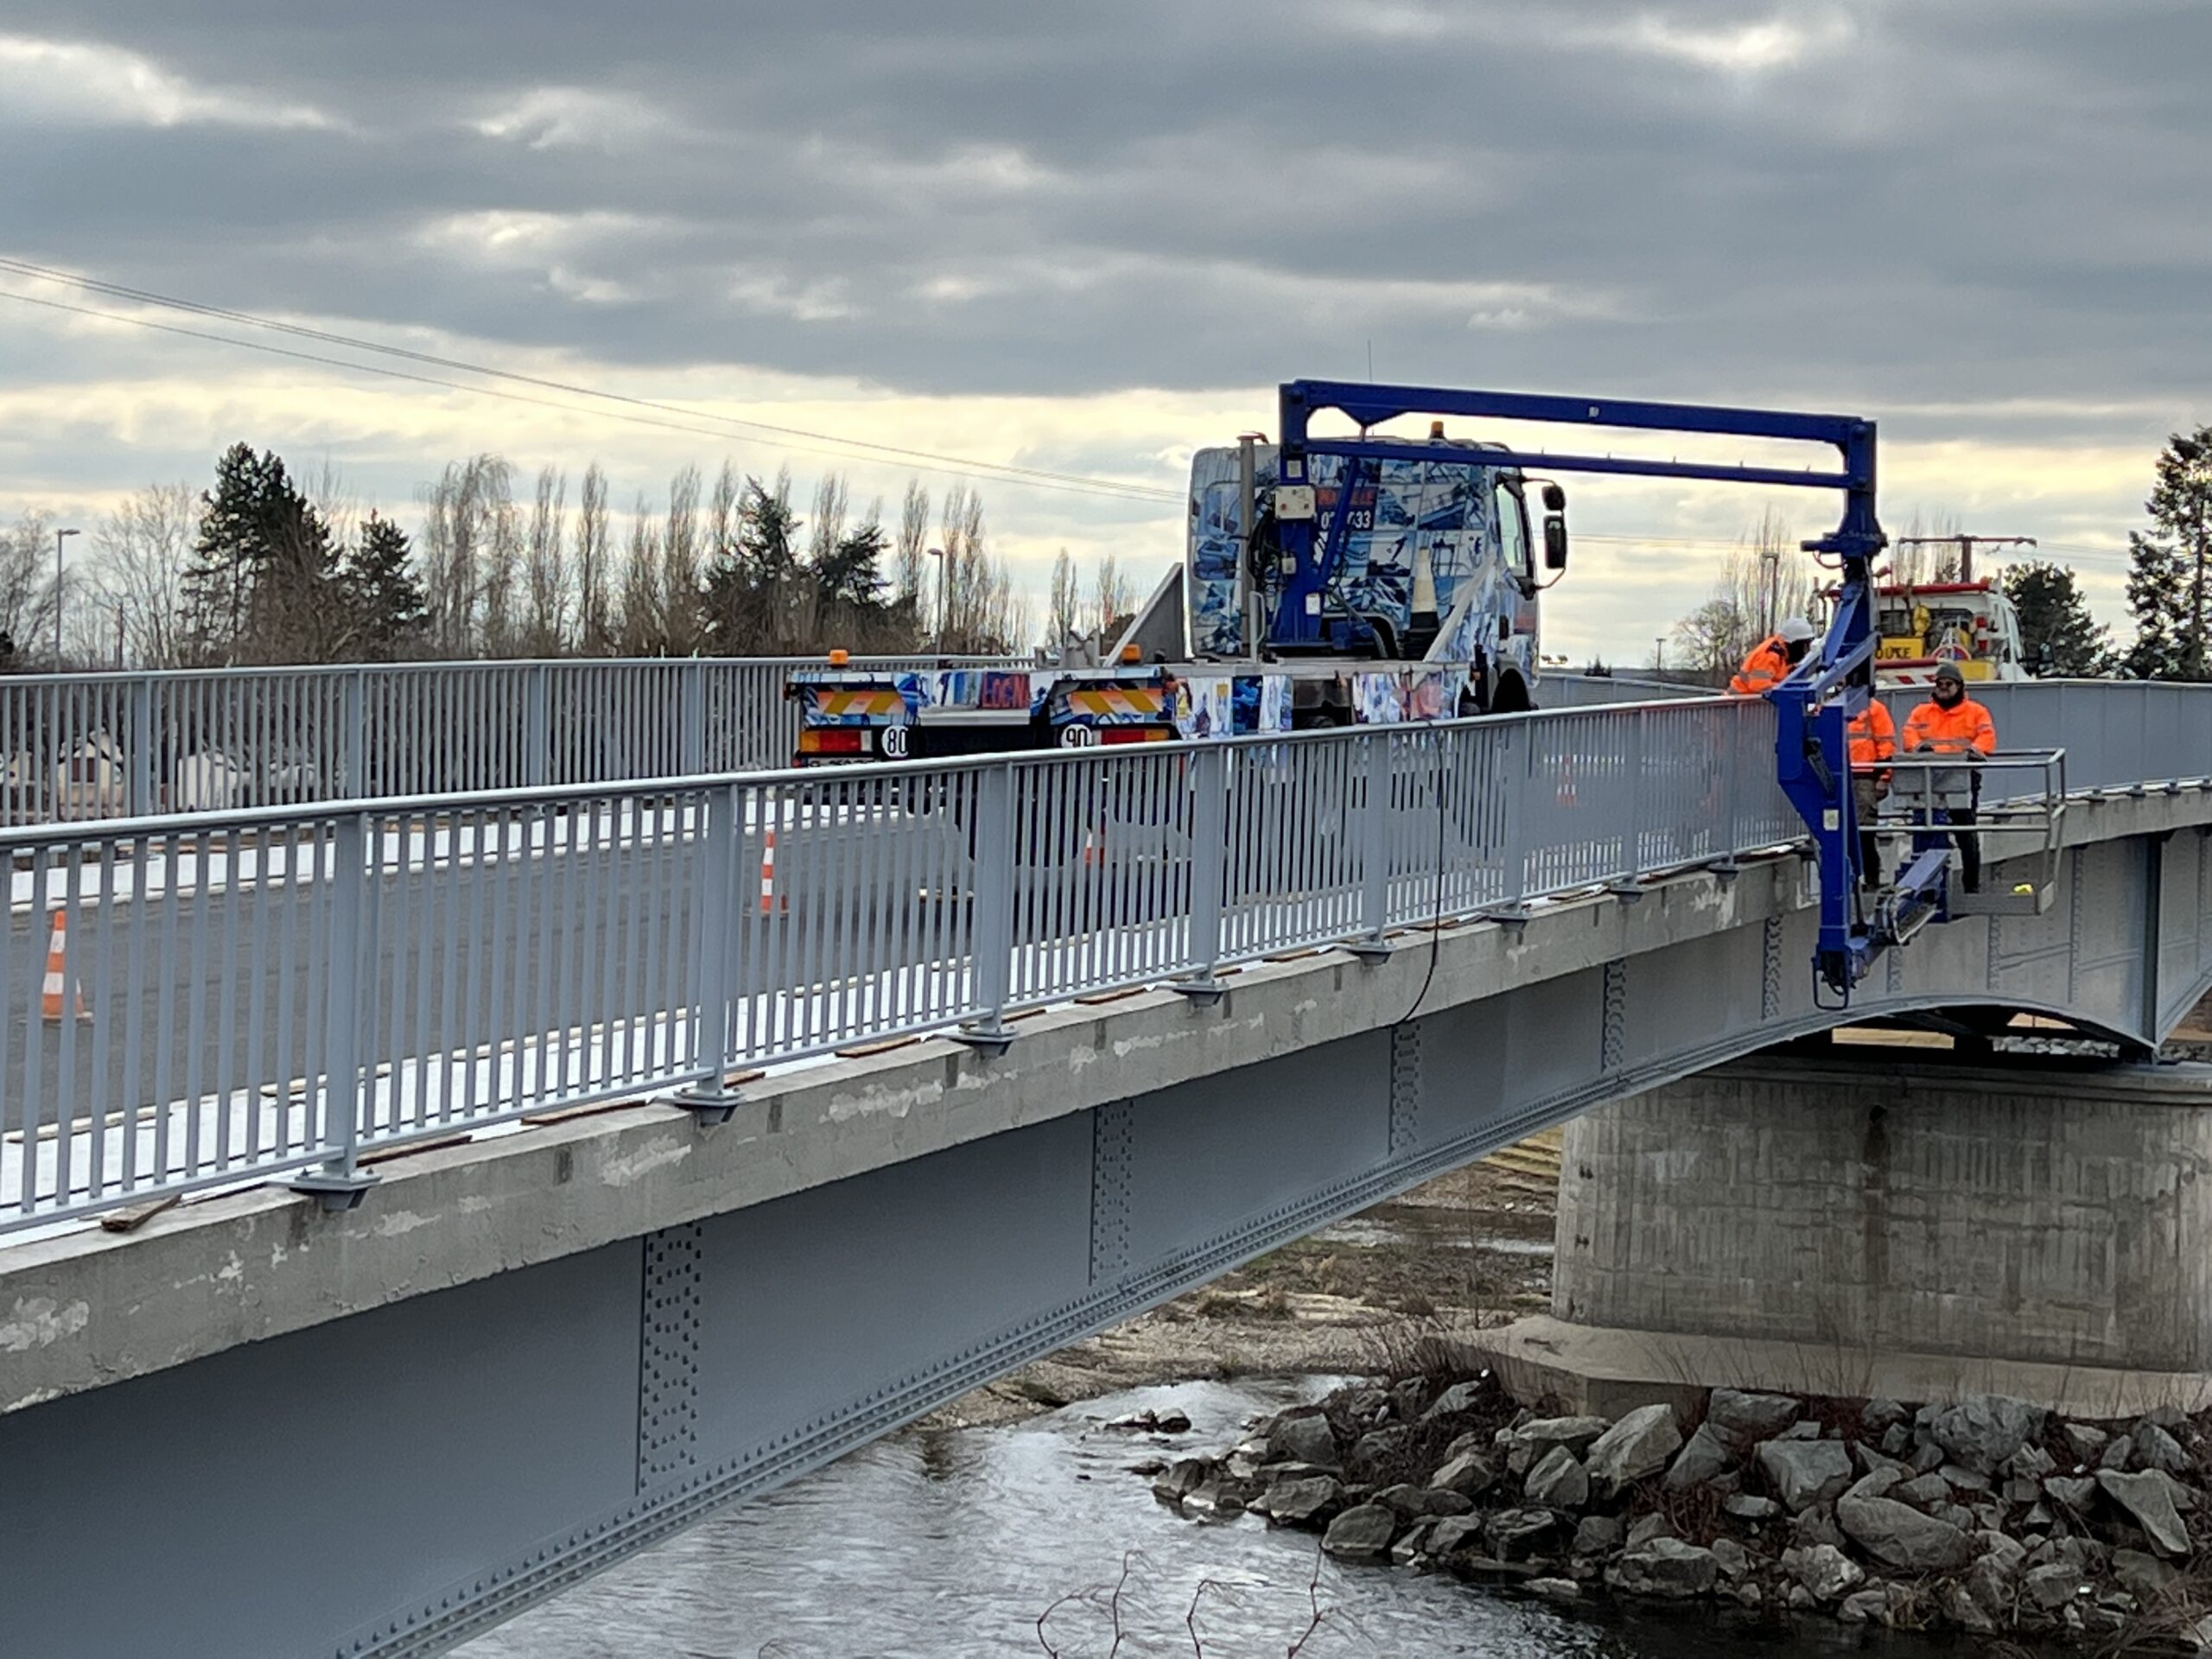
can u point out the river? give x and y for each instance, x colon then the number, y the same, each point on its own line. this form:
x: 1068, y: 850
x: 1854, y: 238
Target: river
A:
x: 946, y: 1544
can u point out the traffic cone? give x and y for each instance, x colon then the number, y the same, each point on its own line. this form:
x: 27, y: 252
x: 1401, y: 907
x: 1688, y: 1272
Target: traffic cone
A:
x: 1567, y: 797
x: 771, y: 900
x: 1094, y: 849
x: 56, y: 990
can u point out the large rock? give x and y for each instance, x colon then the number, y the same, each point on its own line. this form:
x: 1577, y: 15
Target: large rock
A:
x: 1957, y: 1604
x: 1806, y: 1473
x: 1902, y: 1536
x: 1598, y: 1535
x: 1514, y: 1533
x: 2052, y: 1585
x: 1637, y: 1445
x: 1982, y: 1431
x: 2147, y: 1498
x: 2144, y: 1577
x: 1413, y: 1502
x: 1183, y: 1477
x: 1745, y: 1418
x: 1455, y: 1532
x: 2156, y: 1449
x: 1361, y: 1533
x: 2076, y: 1492
x: 1468, y: 1474
x: 1704, y: 1456
x: 1300, y: 1503
x: 2087, y: 1443
x: 1460, y: 1396
x: 1526, y: 1445
x: 1557, y: 1482
x: 1824, y: 1570
x: 1303, y: 1437
x: 1664, y: 1566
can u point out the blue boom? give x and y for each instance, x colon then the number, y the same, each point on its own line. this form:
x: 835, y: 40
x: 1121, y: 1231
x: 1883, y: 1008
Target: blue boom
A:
x: 1813, y: 705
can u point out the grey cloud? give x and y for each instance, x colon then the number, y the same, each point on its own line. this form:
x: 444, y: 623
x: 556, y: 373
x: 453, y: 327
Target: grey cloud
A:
x: 1977, y: 202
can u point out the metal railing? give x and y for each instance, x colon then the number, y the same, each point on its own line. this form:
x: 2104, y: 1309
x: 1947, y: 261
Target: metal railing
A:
x: 190, y: 1002
x: 84, y: 747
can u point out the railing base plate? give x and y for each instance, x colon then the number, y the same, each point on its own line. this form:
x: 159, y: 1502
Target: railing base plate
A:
x: 1203, y: 993
x: 711, y: 1107
x: 1372, y: 952
x: 993, y: 1040
x: 335, y: 1193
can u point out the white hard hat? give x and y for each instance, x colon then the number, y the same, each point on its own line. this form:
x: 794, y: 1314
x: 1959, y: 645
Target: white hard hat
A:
x: 1794, y: 630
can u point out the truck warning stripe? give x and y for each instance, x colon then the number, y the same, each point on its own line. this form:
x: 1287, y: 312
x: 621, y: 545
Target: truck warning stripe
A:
x: 1141, y: 700
x: 859, y: 703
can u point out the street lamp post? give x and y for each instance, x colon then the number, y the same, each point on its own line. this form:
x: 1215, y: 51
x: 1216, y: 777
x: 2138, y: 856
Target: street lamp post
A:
x: 60, y: 536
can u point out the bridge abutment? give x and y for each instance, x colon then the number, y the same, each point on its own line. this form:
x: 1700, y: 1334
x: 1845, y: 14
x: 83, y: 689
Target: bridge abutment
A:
x: 1915, y: 1231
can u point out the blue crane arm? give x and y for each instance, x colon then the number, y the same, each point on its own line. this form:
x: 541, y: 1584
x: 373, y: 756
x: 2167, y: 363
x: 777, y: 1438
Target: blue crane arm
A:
x: 1813, y: 705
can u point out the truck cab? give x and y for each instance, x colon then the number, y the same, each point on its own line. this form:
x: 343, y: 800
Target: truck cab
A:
x: 1971, y: 624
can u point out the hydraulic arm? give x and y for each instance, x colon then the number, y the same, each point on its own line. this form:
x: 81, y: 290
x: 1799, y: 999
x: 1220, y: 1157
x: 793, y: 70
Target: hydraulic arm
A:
x: 1813, y: 706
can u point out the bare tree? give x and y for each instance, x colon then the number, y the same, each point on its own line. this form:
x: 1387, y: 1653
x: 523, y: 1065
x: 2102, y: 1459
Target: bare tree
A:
x: 721, y: 512
x: 679, y: 567
x: 546, y: 567
x: 26, y: 591
x: 468, y: 530
x: 1113, y: 598
x: 503, y: 608
x: 638, y: 620
x: 139, y: 556
x: 592, y: 604
x: 913, y: 546
x: 1065, y: 607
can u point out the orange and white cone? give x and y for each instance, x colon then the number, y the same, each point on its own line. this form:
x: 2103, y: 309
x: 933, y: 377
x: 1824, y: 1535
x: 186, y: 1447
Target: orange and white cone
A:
x: 1094, y: 848
x: 771, y: 900
x: 1567, y: 797
x: 56, y: 993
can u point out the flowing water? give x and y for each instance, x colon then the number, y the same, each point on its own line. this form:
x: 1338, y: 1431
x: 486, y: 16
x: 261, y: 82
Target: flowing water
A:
x: 945, y: 1544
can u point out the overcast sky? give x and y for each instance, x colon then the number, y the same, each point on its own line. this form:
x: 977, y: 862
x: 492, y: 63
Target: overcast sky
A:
x: 1088, y: 239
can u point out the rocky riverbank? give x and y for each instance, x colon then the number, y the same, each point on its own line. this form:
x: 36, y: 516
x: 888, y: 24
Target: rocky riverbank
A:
x: 1981, y: 1515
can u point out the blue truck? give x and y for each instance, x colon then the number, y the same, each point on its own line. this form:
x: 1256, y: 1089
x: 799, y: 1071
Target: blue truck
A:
x: 1315, y: 590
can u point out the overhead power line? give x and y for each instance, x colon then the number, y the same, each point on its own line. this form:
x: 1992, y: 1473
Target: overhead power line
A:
x: 799, y: 438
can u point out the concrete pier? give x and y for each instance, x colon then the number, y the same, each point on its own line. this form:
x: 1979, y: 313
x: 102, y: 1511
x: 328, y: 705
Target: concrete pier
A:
x: 1913, y: 1230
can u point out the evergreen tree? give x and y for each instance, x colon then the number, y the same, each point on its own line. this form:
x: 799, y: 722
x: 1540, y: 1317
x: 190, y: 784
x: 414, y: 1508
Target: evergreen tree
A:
x: 383, y: 601
x: 848, y: 575
x: 746, y: 602
x: 256, y: 588
x: 218, y: 578
x: 2054, y: 614
x: 2170, y: 574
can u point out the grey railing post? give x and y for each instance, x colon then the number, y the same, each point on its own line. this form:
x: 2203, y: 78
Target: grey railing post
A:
x: 1376, y: 764
x: 1209, y: 775
x: 990, y: 943
x: 710, y: 1098
x: 691, y: 719
x: 139, y: 745
x: 537, y: 727
x: 1517, y: 776
x: 341, y: 1181
x: 353, y: 726
x: 1624, y: 884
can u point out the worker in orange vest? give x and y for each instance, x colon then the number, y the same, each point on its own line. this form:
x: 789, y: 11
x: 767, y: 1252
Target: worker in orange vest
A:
x: 1873, y: 737
x: 1772, y: 658
x: 1952, y: 723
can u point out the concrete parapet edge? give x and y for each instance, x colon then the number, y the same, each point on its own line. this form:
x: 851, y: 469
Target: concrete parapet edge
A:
x: 87, y: 1308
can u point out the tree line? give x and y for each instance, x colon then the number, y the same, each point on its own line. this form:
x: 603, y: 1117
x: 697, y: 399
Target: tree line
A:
x: 2169, y: 589
x: 265, y: 568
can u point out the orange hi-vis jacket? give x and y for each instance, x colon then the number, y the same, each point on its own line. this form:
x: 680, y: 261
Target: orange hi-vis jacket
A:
x: 1964, y: 726
x: 1763, y: 670
x: 1873, y: 737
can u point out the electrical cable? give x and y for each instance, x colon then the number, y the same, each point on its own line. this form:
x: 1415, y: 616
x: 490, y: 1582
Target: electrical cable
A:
x: 799, y: 438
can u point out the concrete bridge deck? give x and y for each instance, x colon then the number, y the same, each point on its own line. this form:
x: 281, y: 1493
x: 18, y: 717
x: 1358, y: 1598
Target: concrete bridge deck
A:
x: 527, y: 1354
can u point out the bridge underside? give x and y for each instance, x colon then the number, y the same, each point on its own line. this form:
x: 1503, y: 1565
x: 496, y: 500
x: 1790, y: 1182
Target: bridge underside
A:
x: 481, y: 1447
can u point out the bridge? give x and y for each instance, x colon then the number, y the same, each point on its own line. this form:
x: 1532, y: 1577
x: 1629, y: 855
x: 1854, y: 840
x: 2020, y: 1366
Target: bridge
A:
x: 416, y: 1204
